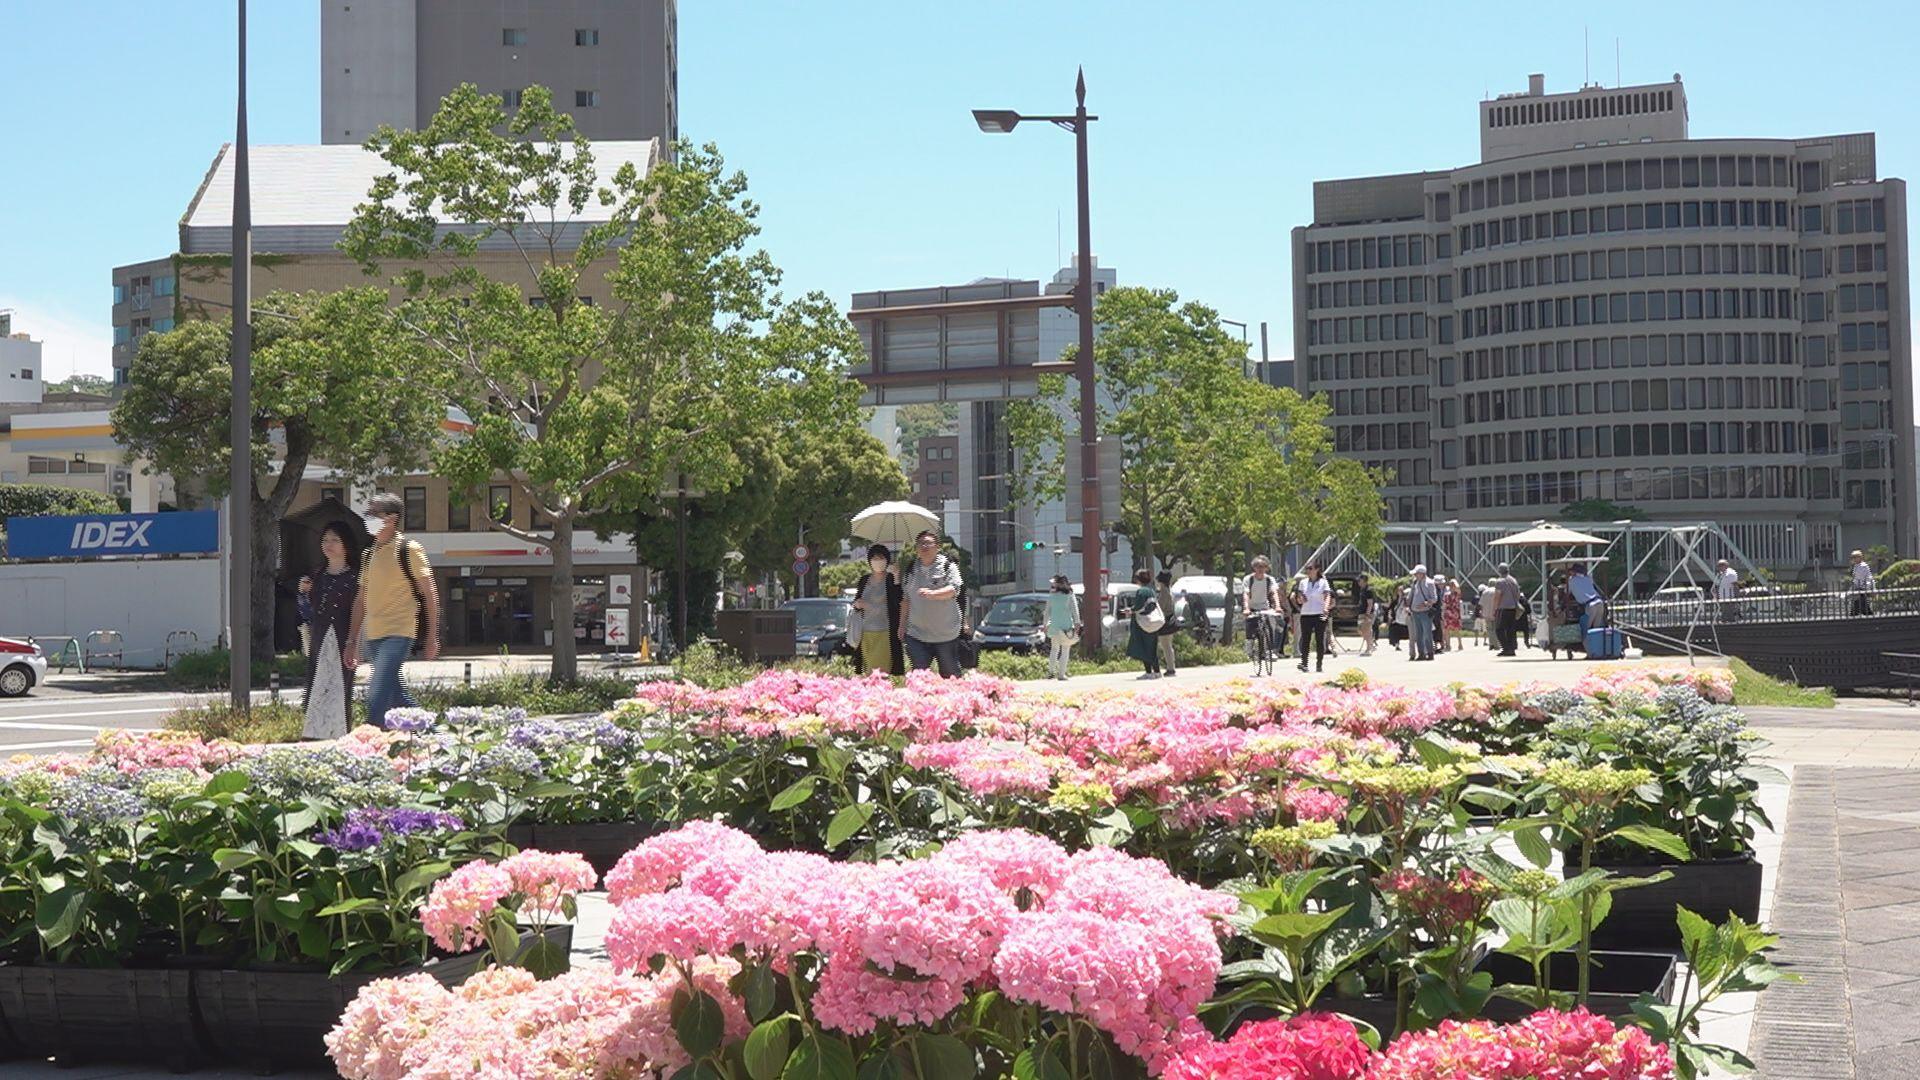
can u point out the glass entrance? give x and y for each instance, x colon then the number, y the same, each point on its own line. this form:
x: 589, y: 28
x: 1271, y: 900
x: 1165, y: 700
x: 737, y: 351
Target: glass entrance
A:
x: 496, y: 611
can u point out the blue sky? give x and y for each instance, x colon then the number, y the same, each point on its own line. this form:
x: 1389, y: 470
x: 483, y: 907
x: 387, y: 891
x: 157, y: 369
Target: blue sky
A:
x: 851, y: 121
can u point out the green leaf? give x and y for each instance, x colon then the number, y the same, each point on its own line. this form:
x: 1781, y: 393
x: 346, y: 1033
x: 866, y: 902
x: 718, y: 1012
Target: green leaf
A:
x: 1532, y: 842
x: 760, y: 992
x: 1111, y: 829
x: 820, y: 1057
x: 1295, y: 927
x: 1704, y: 949
x: 850, y: 820
x: 698, y: 1023
x: 1653, y: 839
x: 231, y: 859
x: 57, y: 914
x: 794, y: 794
x: 548, y: 789
x: 943, y: 1057
x: 227, y: 783
x: 766, y: 1051
x: 420, y: 877
x: 359, y: 903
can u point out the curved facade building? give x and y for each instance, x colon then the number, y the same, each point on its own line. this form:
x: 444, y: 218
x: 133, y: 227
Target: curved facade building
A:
x: 1708, y: 329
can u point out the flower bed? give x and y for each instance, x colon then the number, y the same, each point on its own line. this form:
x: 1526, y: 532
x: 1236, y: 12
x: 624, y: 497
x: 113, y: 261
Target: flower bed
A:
x: 1380, y: 841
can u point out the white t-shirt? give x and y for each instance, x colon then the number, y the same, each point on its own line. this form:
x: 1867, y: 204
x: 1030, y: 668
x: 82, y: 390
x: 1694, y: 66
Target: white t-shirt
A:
x: 1262, y: 592
x: 1729, y: 583
x: 1314, y: 595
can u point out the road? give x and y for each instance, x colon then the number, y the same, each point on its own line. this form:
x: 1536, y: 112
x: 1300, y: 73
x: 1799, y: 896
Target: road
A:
x: 53, y: 718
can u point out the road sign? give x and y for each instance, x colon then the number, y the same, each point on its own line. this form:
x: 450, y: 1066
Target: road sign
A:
x: 617, y: 626
x: 800, y: 553
x: 800, y: 567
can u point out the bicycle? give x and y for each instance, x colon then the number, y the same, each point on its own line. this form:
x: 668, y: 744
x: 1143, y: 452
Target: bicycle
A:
x: 1260, y: 635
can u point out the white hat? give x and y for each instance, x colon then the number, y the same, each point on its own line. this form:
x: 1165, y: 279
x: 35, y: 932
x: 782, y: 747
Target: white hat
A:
x: 1420, y: 569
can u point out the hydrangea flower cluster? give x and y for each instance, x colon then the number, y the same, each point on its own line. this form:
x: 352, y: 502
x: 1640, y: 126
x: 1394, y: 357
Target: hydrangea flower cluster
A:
x: 1442, y: 904
x: 1545, y: 1046
x: 409, y: 719
x: 133, y: 752
x: 1312, y: 1046
x: 1713, y: 684
x: 1118, y: 941
x: 372, y: 826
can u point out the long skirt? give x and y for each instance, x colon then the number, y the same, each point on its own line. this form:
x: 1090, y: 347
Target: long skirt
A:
x: 329, y: 692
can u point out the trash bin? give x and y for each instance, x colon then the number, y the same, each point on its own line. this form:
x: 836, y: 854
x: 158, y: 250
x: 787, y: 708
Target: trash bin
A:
x: 756, y: 635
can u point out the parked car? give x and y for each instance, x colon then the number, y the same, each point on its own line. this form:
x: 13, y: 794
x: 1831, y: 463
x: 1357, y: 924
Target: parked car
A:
x: 819, y: 625
x: 22, y: 666
x: 1210, y: 592
x: 1016, y: 623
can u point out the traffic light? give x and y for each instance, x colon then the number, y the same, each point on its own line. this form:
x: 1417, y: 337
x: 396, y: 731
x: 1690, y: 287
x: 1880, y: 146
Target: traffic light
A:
x: 1030, y: 545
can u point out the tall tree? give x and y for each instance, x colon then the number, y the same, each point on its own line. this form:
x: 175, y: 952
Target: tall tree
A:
x: 920, y: 420
x: 826, y: 478
x: 1278, y: 477
x: 328, y: 386
x: 589, y: 409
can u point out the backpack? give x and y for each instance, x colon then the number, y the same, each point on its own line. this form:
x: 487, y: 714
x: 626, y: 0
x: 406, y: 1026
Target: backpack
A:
x: 400, y: 550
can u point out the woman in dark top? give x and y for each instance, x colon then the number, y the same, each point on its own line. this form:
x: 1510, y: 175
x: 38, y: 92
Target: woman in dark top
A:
x: 878, y: 610
x: 326, y: 606
x: 1141, y: 645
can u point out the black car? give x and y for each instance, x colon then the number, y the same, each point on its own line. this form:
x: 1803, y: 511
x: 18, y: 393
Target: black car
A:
x: 1017, y: 623
x: 819, y: 625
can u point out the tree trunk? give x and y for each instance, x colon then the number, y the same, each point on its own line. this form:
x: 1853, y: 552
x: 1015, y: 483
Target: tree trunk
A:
x: 566, y: 660
x: 263, y: 529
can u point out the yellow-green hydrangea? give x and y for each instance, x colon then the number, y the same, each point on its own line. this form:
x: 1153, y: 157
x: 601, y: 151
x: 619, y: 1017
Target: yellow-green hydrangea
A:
x: 1292, y: 844
x: 1597, y: 784
x: 1081, y: 798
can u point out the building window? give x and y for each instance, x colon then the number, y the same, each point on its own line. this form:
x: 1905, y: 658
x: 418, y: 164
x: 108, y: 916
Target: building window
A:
x: 459, y: 513
x: 586, y: 99
x: 512, y: 98
x: 415, y: 518
x: 513, y: 36
x: 119, y: 294
x: 586, y: 37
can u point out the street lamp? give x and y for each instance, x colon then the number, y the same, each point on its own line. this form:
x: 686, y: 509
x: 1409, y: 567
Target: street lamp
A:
x: 1001, y: 122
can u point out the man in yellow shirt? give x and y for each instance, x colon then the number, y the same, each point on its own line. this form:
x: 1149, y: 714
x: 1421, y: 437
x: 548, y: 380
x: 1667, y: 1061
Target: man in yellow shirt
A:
x: 396, y: 590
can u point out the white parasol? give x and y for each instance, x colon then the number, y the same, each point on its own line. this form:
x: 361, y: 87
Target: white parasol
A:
x: 894, y: 523
x: 1547, y: 534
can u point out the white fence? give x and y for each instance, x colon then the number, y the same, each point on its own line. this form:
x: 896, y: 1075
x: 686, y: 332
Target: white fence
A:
x: 143, y: 600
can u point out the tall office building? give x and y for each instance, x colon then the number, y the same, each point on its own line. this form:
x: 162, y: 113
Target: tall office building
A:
x: 612, y: 64
x: 1603, y: 307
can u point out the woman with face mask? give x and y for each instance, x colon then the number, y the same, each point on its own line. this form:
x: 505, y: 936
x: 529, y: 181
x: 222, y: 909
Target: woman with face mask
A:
x: 876, y: 613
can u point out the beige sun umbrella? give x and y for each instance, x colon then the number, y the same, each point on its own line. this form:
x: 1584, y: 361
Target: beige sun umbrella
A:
x: 894, y: 523
x: 1547, y: 534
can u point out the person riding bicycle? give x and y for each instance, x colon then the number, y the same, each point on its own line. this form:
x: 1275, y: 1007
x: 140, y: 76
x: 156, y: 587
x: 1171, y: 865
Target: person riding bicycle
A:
x: 1263, y: 607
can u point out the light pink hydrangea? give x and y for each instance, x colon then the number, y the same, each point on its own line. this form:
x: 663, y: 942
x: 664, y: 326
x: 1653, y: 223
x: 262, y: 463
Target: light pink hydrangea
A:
x: 678, y: 924
x: 660, y: 862
x: 456, y: 910
x: 1013, y: 859
x: 546, y: 878
x: 380, y: 1033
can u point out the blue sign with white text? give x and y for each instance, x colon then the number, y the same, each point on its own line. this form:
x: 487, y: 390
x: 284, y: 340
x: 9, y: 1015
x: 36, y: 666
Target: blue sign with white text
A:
x: 186, y: 532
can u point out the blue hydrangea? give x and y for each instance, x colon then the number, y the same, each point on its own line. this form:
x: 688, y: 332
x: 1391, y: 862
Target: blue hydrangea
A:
x: 86, y: 801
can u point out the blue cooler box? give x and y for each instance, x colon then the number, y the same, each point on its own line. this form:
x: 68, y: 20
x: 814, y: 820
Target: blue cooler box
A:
x: 1605, y: 643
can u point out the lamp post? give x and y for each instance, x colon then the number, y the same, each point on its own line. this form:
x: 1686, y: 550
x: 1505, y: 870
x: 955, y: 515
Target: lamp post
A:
x: 1000, y: 122
x: 240, y: 505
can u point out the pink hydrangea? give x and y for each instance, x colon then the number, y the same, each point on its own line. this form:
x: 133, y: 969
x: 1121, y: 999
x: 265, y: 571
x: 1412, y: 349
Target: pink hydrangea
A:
x: 784, y: 905
x: 1548, y: 1045
x: 660, y: 862
x: 456, y: 910
x: 545, y: 879
x: 923, y: 920
x: 380, y: 1032
x: 1312, y: 1046
x: 1308, y: 803
x: 1079, y: 963
x: 1015, y: 860
x: 132, y: 752
x: 678, y: 924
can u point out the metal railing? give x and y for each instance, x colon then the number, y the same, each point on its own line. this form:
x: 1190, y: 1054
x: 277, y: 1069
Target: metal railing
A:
x: 1767, y: 607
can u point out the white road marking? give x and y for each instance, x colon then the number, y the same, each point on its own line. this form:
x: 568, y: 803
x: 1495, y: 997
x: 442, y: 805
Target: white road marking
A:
x: 20, y: 721
x: 65, y: 744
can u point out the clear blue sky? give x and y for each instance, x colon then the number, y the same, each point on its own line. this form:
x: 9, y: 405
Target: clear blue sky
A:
x: 851, y: 121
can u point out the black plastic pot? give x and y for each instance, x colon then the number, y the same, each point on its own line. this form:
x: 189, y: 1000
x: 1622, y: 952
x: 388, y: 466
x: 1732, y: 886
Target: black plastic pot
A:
x: 1618, y: 979
x: 272, y: 1020
x: 601, y: 842
x: 77, y: 1015
x: 1644, y: 916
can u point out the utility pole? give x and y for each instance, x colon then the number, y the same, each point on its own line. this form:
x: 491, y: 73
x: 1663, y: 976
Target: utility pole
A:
x: 240, y: 504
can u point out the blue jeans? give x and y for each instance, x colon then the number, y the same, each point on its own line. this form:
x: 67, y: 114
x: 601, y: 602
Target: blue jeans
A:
x: 922, y: 655
x: 1421, y: 626
x: 387, y: 690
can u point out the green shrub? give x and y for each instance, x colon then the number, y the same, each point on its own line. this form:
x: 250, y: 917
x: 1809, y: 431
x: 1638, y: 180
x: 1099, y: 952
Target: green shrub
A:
x: 712, y: 666
x: 266, y: 723
x: 207, y: 669
x: 536, y: 693
x: 1010, y: 665
x: 43, y: 500
x: 1900, y: 575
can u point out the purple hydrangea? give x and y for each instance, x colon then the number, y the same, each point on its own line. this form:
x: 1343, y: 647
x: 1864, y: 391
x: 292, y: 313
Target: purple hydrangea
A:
x: 371, y: 826
x: 409, y: 719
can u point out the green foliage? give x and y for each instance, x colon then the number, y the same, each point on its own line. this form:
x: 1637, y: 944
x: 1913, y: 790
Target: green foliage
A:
x: 264, y: 723
x: 591, y: 409
x: 81, y: 384
x: 1900, y: 574
x: 827, y: 475
x: 208, y: 669
x: 836, y: 578
x: 919, y: 421
x: 538, y: 694
x: 45, y: 500
x: 712, y: 666
x: 1729, y: 958
x: 1600, y: 510
x: 1206, y: 452
x: 1752, y: 687
x: 1306, y: 945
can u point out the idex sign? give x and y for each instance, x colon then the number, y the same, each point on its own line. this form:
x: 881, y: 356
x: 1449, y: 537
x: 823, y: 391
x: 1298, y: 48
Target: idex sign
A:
x: 182, y: 533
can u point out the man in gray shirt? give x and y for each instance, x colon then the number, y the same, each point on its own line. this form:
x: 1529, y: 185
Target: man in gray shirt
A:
x: 1423, y: 599
x: 930, y: 609
x: 1507, y: 600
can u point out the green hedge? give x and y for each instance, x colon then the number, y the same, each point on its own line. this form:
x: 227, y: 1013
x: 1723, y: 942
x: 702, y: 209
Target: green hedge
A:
x: 44, y: 500
x: 207, y: 669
